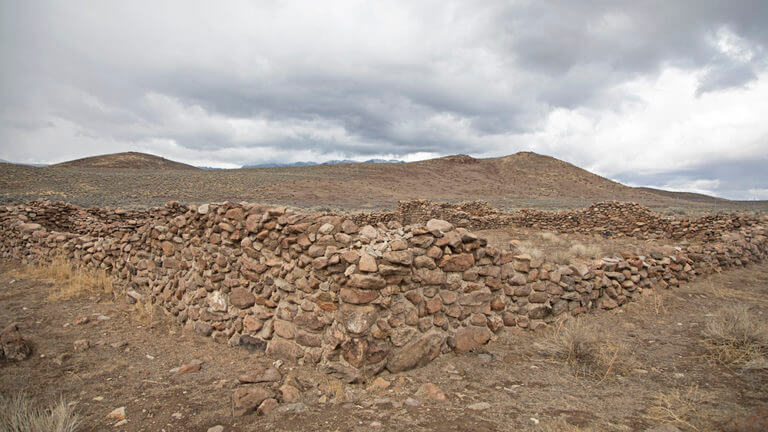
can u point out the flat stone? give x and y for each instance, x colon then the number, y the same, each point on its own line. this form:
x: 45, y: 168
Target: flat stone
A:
x: 434, y: 225
x: 357, y: 296
x: 270, y: 374
x: 457, y: 263
x: 367, y: 281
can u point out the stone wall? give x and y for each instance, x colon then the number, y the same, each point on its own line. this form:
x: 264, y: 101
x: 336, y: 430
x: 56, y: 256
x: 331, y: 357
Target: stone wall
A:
x: 609, y: 218
x: 352, y: 298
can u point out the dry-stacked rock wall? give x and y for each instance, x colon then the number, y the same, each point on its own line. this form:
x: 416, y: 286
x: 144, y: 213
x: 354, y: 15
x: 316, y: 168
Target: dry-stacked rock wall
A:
x: 610, y: 219
x: 352, y: 298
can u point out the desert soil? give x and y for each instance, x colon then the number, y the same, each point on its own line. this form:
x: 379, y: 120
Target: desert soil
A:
x: 509, y: 384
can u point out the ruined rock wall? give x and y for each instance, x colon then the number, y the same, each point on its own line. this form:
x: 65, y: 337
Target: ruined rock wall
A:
x: 354, y: 299
x: 610, y: 219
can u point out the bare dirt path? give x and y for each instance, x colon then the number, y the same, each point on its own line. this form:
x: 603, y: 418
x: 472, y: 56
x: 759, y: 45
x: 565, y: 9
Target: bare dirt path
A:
x: 509, y: 384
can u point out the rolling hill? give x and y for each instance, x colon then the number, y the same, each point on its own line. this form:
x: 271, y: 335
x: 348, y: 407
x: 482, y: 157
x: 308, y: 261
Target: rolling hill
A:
x: 132, y: 160
x: 519, y: 180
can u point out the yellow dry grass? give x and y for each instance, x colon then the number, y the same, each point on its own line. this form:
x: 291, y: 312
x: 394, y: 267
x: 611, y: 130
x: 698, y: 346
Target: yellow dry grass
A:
x: 67, y: 280
x: 676, y: 406
x: 19, y: 414
x: 579, y: 344
x: 736, y: 336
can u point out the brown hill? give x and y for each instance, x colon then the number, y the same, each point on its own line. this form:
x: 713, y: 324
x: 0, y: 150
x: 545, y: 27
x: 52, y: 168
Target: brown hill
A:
x: 133, y: 160
x: 520, y: 180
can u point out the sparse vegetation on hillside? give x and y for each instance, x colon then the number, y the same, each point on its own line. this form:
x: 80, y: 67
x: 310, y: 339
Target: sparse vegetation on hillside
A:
x: 517, y: 181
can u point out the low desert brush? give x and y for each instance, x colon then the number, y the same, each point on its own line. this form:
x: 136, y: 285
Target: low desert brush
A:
x: 579, y: 344
x: 68, y: 280
x: 736, y: 336
x: 577, y: 251
x: 676, y: 406
x: 19, y: 414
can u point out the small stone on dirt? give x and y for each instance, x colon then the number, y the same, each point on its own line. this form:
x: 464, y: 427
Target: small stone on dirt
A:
x: 479, y: 406
x: 217, y: 428
x: 411, y: 402
x: 191, y: 367
x: 431, y: 391
x: 117, y: 413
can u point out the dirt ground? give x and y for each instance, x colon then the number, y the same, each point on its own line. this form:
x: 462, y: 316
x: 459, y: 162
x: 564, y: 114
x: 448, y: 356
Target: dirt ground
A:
x: 510, y: 384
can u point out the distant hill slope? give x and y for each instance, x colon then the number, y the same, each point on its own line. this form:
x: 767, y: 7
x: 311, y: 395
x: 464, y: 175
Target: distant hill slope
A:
x: 688, y: 196
x: 519, y: 180
x: 134, y: 160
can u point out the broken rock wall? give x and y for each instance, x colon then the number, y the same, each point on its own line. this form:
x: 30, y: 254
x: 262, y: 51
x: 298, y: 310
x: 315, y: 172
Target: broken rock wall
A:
x: 352, y: 298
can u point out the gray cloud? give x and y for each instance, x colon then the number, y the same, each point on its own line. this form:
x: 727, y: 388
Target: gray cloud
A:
x: 264, y: 81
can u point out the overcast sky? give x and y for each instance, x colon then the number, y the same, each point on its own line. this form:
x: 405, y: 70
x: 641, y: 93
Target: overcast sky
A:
x: 663, y: 93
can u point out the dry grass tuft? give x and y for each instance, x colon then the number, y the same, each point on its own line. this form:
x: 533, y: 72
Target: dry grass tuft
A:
x: 144, y: 312
x: 677, y: 407
x: 577, y: 251
x: 579, y: 344
x: 527, y: 247
x: 67, y: 280
x: 19, y: 414
x: 735, y: 336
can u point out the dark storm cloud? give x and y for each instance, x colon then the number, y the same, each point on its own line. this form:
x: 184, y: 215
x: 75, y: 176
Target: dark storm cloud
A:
x: 274, y: 81
x: 739, y: 179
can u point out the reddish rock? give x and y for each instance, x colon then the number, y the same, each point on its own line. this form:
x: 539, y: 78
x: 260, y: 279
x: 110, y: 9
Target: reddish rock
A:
x: 284, y: 349
x: 403, y: 257
x: 367, y: 281
x: 416, y: 353
x: 431, y: 391
x: 260, y: 375
x: 367, y: 263
x: 247, y: 399
x: 252, y: 324
x: 242, y: 298
x: 191, y: 367
x: 266, y: 407
x: 289, y: 393
x: 457, y: 263
x: 357, y: 296
x: 431, y: 277
x: 12, y: 344
x: 469, y: 338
